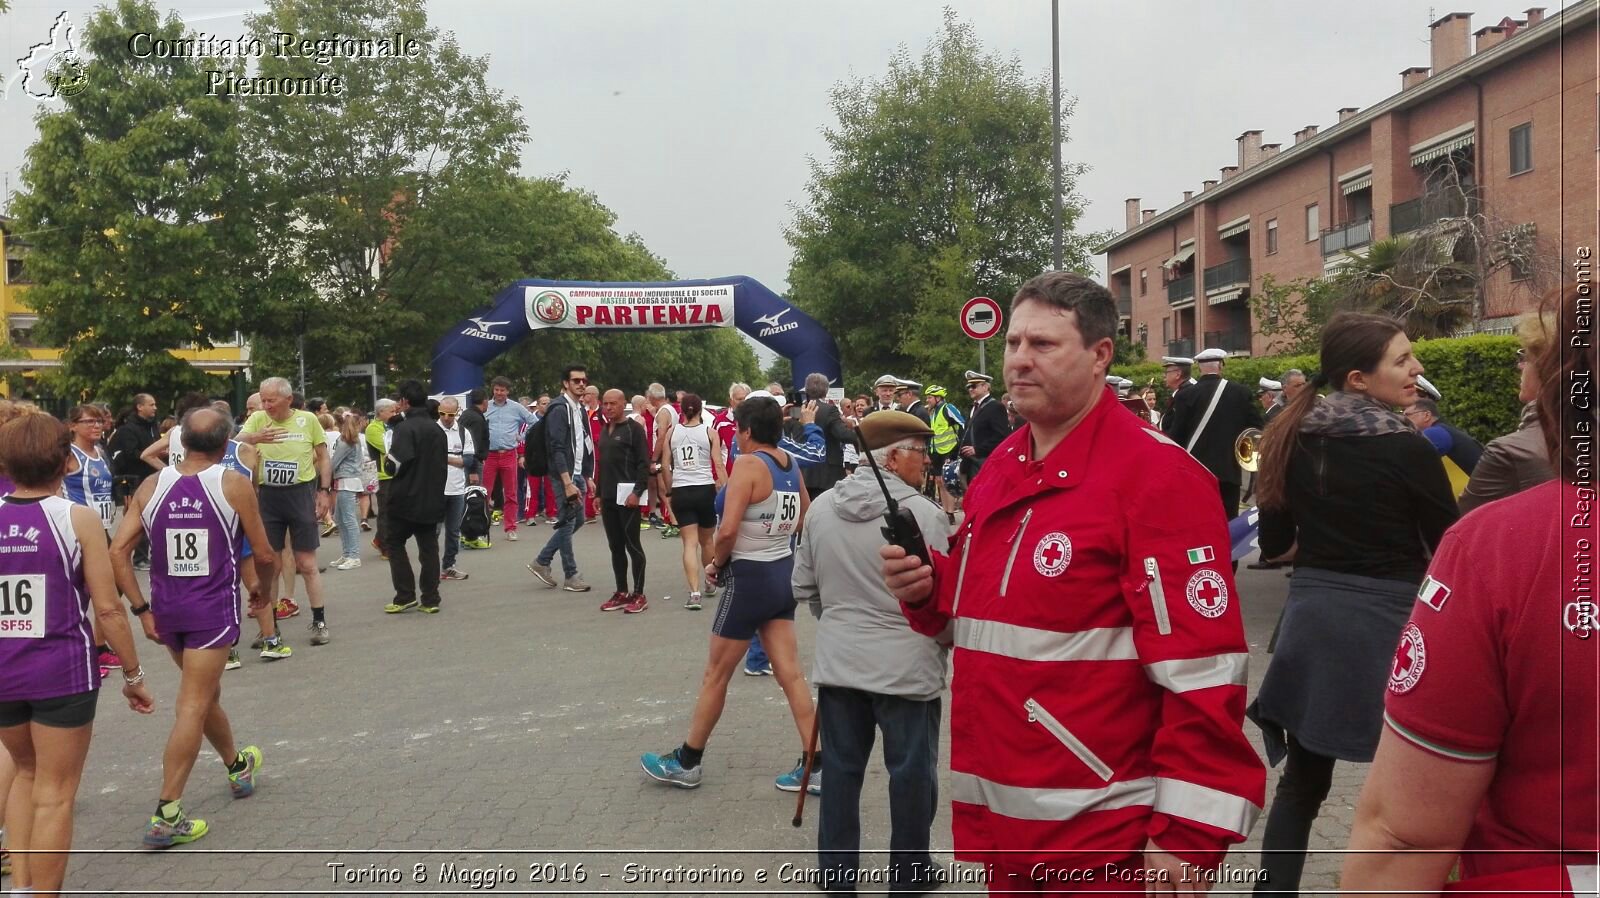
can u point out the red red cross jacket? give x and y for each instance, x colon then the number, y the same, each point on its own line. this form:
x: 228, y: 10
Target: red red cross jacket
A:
x: 1098, y: 692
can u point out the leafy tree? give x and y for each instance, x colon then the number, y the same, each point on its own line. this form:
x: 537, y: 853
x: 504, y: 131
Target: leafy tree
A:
x: 345, y: 177
x: 135, y: 205
x: 1291, y: 314
x: 937, y: 188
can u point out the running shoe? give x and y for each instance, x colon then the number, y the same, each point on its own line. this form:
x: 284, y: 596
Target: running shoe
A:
x: 543, y: 572
x: 366, y: 526
x: 496, y: 516
x: 329, y: 529
x: 692, y: 603
x: 645, y: 525
x: 259, y: 641
x: 233, y: 660
x: 428, y: 609
x: 451, y: 573
x: 243, y: 783
x: 475, y: 543
x: 636, y: 603
x: 511, y: 535
x: 109, y: 658
x: 764, y: 670
x: 287, y: 608
x: 617, y: 602
x: 666, y: 769
x: 275, y: 649
x: 711, y: 591
x: 669, y: 532
x: 319, y: 632
x: 790, y: 782
x: 164, y: 833
x: 655, y: 520
x: 400, y: 607
x: 142, y: 565
x: 575, y: 583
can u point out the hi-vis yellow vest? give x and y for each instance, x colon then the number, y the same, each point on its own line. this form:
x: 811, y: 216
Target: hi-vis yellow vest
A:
x: 946, y: 425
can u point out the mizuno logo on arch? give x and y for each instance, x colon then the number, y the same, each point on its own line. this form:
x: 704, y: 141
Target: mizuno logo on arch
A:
x: 483, y: 330
x: 773, y: 325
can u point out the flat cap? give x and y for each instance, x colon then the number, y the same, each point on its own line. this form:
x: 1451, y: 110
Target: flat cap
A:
x: 1267, y: 384
x: 974, y: 377
x: 1210, y: 355
x: 881, y: 429
x: 1426, y: 387
x: 1167, y: 361
x: 888, y: 380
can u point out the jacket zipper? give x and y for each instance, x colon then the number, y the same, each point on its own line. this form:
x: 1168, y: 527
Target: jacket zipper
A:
x: 1158, y: 596
x: 1037, y: 714
x: 1016, y: 541
x: 961, y: 573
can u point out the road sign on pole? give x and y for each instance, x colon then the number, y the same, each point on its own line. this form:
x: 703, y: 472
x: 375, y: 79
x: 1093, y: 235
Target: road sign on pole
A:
x: 980, y: 318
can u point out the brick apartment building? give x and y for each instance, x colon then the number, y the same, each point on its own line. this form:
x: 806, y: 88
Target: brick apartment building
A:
x: 1507, y: 112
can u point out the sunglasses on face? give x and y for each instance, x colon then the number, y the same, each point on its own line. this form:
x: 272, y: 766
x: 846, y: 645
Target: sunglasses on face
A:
x: 578, y: 380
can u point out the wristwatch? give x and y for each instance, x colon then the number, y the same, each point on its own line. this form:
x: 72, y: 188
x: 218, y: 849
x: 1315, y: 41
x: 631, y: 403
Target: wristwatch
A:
x: 142, y: 609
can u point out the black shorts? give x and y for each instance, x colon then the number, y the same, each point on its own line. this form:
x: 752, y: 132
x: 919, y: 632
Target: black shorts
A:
x: 695, y: 505
x: 753, y: 593
x: 291, y: 509
x: 64, y: 712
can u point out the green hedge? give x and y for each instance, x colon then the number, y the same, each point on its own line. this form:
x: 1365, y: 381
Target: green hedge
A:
x: 1477, y: 376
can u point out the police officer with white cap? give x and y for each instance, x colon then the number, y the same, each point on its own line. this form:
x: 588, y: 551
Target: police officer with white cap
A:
x: 907, y: 399
x: 1208, y: 419
x: 987, y: 424
x: 1175, y: 374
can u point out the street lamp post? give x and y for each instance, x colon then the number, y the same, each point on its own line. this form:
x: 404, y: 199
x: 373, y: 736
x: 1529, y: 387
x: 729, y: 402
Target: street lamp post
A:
x: 1055, y: 118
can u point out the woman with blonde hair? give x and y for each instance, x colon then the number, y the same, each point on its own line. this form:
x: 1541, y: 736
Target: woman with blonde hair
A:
x: 347, y: 453
x: 1363, y: 496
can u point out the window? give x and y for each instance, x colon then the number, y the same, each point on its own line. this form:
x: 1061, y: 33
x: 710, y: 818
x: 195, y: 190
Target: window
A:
x: 20, y: 329
x: 1166, y: 331
x: 1521, y: 148
x: 1272, y: 236
x: 1313, y: 226
x: 14, y: 272
x: 1144, y: 281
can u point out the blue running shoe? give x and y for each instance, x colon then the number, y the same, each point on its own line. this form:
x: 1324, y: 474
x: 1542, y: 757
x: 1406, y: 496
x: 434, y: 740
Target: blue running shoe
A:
x: 790, y: 782
x: 243, y: 783
x: 666, y: 769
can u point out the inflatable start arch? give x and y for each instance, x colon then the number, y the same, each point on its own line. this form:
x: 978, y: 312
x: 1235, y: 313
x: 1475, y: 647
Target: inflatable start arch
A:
x: 529, y: 306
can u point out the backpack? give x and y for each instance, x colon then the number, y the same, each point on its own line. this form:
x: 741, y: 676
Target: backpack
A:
x: 535, y: 451
x: 475, y: 520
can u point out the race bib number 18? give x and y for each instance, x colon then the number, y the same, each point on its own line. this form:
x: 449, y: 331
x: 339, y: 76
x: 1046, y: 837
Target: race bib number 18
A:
x: 22, y: 606
x: 280, y: 473
x: 188, y: 553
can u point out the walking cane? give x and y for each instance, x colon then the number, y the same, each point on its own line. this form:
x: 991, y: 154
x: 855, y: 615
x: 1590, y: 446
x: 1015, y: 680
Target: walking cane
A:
x: 805, y: 774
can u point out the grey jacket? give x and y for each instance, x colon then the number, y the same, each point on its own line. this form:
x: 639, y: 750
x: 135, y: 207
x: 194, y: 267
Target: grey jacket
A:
x: 1509, y: 464
x: 863, y: 640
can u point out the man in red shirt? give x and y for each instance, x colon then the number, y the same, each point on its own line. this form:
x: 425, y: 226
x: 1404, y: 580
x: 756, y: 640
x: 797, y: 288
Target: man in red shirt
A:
x: 1096, y: 721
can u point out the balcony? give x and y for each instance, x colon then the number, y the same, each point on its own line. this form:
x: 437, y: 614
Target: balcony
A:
x: 1124, y: 307
x: 1227, y: 276
x: 1348, y: 236
x: 1429, y: 208
x: 1235, y: 340
x: 1180, y: 289
x: 1181, y: 348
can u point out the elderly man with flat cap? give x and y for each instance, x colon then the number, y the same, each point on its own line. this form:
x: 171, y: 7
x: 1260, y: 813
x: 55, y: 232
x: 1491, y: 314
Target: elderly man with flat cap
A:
x: 987, y: 425
x: 884, y: 387
x: 1207, y: 419
x: 873, y: 672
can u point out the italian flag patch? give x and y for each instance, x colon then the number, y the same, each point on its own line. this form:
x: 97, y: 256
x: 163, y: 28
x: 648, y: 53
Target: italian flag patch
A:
x: 1201, y: 555
x: 1433, y: 594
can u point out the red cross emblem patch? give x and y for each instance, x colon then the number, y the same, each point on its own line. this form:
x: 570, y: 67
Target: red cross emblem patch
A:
x: 1410, y: 658
x: 1208, y: 593
x: 1053, y: 554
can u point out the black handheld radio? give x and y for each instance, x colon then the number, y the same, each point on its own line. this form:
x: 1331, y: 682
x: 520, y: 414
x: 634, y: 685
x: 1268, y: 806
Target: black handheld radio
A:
x: 902, y: 529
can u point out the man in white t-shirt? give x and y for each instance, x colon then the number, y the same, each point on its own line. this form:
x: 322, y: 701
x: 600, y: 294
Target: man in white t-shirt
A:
x: 460, y: 454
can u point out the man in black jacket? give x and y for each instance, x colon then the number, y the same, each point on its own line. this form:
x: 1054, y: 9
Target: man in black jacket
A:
x: 473, y: 422
x: 417, y: 452
x: 1209, y: 429
x: 835, y: 434
x: 127, y: 444
x: 569, y: 454
x: 988, y: 425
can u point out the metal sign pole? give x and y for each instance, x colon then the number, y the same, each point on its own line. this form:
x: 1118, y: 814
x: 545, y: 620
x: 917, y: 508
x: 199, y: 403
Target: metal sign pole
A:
x: 982, y: 367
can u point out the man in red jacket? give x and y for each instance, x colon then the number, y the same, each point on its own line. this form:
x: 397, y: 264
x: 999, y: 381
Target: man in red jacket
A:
x: 1098, y: 699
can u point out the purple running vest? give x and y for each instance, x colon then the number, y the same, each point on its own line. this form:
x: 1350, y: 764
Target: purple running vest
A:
x: 195, y: 539
x: 46, y: 650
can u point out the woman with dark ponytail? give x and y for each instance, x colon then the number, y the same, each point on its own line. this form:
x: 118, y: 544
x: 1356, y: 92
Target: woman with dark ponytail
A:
x: 1361, y: 497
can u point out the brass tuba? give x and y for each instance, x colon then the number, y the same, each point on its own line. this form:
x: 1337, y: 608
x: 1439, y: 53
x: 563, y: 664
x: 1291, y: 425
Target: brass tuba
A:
x: 1247, y: 449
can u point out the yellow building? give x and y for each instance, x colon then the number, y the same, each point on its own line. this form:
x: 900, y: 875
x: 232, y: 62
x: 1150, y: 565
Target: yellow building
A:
x: 21, y: 355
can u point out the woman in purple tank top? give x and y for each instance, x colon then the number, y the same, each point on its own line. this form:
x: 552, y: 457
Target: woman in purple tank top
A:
x: 54, y: 565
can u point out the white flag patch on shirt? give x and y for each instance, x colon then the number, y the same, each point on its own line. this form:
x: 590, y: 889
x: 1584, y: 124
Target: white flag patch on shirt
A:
x: 1433, y: 594
x: 1201, y: 555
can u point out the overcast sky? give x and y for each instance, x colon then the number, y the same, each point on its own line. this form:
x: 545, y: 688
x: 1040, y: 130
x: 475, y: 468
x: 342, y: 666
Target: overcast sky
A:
x: 693, y: 121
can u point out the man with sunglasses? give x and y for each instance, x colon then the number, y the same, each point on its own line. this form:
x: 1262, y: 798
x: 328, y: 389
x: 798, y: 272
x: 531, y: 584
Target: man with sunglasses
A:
x: 570, y: 452
x: 460, y: 458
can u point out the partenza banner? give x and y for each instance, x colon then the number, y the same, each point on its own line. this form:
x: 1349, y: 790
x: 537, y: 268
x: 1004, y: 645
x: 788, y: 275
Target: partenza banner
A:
x: 603, y: 308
